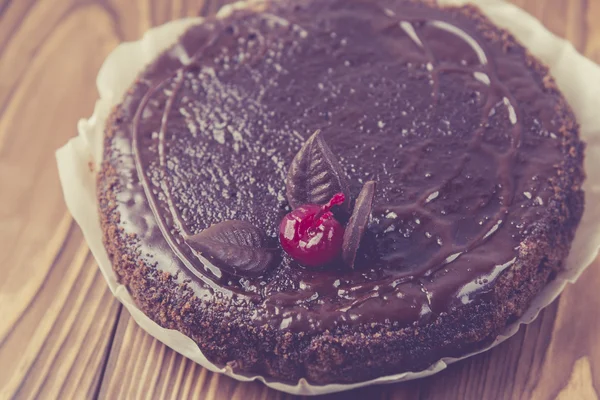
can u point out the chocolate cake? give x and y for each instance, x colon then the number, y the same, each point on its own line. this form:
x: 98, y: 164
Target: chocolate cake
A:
x: 437, y: 164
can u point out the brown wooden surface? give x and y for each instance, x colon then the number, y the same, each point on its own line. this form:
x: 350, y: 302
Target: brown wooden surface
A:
x: 62, y: 335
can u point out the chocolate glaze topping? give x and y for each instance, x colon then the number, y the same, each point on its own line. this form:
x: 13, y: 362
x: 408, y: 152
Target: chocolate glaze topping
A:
x: 458, y: 134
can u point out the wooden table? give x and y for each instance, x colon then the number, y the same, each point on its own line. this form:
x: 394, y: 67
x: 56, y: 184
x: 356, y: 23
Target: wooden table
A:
x: 62, y: 335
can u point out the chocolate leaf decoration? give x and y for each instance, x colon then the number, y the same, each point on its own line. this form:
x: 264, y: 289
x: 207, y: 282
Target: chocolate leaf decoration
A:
x: 315, y: 175
x: 237, y: 247
x: 355, y: 229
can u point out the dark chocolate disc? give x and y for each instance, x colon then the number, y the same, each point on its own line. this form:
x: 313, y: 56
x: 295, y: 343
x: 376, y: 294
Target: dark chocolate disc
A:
x: 357, y: 224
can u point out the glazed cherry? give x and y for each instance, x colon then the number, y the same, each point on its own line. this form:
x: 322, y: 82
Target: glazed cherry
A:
x: 311, y: 235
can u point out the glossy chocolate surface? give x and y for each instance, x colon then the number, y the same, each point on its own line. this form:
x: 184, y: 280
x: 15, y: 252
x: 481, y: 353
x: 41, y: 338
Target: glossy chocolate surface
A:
x: 458, y: 134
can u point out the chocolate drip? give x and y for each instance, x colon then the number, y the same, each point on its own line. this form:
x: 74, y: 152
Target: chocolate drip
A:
x: 485, y: 71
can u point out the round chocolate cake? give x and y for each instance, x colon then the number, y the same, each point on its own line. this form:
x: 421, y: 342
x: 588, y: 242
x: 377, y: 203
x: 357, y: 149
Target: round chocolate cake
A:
x: 340, y: 189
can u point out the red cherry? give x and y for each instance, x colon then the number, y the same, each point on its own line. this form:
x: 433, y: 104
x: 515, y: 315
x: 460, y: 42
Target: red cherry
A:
x: 310, y: 233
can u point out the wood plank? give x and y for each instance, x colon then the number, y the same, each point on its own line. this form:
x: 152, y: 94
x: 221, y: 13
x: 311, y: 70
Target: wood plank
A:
x: 56, y: 309
x: 60, y: 341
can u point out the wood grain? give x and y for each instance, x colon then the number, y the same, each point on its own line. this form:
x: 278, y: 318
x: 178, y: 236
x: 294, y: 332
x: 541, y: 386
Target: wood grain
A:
x: 62, y: 335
